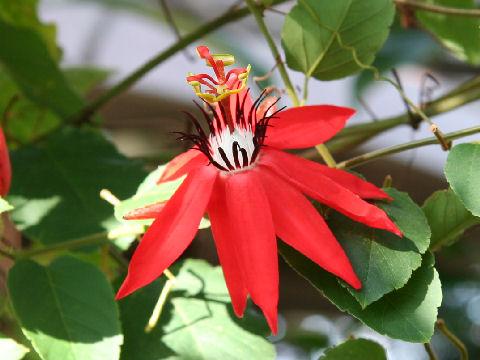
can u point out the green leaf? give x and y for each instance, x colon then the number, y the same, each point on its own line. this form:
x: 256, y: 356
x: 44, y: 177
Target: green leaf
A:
x: 24, y: 14
x: 408, y: 314
x: 58, y: 199
x: 67, y: 309
x: 313, y: 30
x: 41, y: 80
x: 383, y: 261
x: 463, y: 174
x: 28, y: 120
x: 10, y: 350
x: 4, y: 205
x: 356, y: 349
x: 448, y: 218
x: 458, y: 34
x: 197, y: 321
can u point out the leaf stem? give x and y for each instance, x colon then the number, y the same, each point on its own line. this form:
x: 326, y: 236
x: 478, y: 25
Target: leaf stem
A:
x: 356, y: 134
x: 6, y: 253
x: 325, y: 154
x: 67, y: 245
x: 464, y: 94
x: 362, y: 159
x: 430, y: 352
x: 442, y: 327
x: 256, y: 10
x: 417, y: 5
x: 125, y: 84
x: 157, y: 310
x: 118, y: 257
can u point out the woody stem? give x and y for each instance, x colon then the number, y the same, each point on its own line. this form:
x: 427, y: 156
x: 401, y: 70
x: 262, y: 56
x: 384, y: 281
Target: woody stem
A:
x: 367, y: 157
x: 453, y: 339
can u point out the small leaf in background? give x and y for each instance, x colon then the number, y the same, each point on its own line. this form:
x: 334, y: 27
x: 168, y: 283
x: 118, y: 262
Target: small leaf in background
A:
x: 383, y: 261
x: 11, y: 350
x: 28, y: 120
x: 355, y: 349
x: 4, y: 205
x: 463, y: 174
x: 197, y: 321
x: 448, y: 218
x: 458, y: 34
x: 58, y: 199
x: 41, y: 80
x: 310, y: 42
x: 66, y: 309
x: 149, y: 192
x: 305, y: 340
x: 408, y: 314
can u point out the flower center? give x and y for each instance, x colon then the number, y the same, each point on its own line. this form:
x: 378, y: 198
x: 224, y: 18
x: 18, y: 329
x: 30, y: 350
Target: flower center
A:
x: 233, y: 151
x: 234, y: 141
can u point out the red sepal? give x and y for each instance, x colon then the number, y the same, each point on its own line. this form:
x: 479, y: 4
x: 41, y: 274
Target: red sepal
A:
x: 5, y: 167
x: 150, y: 211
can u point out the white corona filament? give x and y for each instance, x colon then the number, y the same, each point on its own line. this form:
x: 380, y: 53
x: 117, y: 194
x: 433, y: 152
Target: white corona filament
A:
x: 226, y: 141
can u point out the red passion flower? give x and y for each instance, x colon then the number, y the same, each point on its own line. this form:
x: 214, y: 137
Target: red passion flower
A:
x: 5, y: 169
x: 253, y: 192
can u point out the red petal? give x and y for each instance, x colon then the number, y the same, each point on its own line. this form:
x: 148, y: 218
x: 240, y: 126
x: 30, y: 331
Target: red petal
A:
x: 150, y: 211
x: 268, y: 107
x: 5, y: 168
x: 254, y: 236
x: 362, y: 188
x: 170, y: 234
x: 299, y: 224
x: 304, y: 175
x: 183, y: 164
x: 223, y: 234
x: 306, y: 126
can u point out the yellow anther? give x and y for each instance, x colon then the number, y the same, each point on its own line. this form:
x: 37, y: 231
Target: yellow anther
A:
x: 226, y: 58
x: 222, y: 91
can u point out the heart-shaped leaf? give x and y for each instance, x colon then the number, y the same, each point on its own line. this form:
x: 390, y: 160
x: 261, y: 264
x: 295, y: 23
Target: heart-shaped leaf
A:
x: 197, y: 321
x: 67, y: 309
x: 463, y: 174
x: 448, y: 218
x: 58, y: 199
x: 355, y: 349
x: 320, y: 38
x: 408, y: 314
x: 383, y: 261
